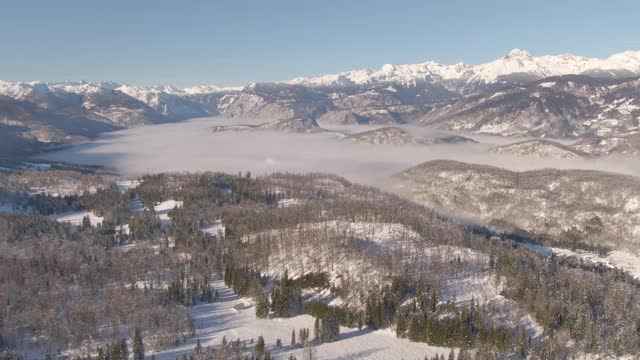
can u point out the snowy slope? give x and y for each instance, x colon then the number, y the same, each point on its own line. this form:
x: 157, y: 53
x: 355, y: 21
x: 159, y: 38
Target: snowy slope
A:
x: 76, y: 217
x: 539, y: 148
x: 219, y: 319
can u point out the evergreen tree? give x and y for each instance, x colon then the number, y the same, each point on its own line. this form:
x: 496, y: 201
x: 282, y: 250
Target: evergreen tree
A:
x: 259, y: 348
x: 452, y: 355
x: 434, y: 300
x: 86, y: 222
x: 401, y: 324
x: 293, y: 337
x: 262, y: 307
x: 521, y: 342
x: 124, y: 350
x: 115, y: 351
x: 316, y: 329
x: 329, y: 328
x: 463, y: 354
x: 198, y: 348
x: 137, y: 344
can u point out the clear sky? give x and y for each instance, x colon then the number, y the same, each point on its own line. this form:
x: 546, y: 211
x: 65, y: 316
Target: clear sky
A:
x: 236, y: 42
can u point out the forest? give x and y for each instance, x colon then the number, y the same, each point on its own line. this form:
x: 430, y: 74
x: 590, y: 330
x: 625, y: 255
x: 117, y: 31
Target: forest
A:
x: 94, y: 292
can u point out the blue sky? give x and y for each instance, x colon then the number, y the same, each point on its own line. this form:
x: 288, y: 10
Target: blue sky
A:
x: 235, y: 42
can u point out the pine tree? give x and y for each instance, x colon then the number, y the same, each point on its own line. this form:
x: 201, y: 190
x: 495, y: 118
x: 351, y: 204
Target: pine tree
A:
x: 262, y: 308
x: 115, y: 351
x: 137, y: 344
x: 521, y: 343
x: 463, y: 354
x: 86, y: 222
x: 401, y: 324
x: 452, y: 355
x: 293, y: 337
x: 124, y: 350
x: 434, y: 300
x: 329, y: 328
x: 198, y: 348
x: 259, y: 348
x: 316, y: 330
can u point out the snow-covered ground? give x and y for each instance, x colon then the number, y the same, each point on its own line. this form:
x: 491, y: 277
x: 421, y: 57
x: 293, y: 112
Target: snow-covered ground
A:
x: 124, y: 185
x: 375, y: 232
x: 283, y: 203
x: 162, y: 210
x: 615, y: 259
x: 136, y: 206
x: 216, y: 228
x: 124, y: 229
x: 11, y: 209
x: 36, y: 166
x: 219, y: 319
x: 75, y: 217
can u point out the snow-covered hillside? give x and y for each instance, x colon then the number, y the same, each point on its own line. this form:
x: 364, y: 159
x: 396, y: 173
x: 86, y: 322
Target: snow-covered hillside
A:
x: 598, y: 208
x: 540, y: 149
x: 220, y: 320
x: 76, y: 217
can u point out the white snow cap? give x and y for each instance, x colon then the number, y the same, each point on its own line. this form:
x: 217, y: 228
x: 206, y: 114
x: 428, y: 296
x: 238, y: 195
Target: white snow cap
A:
x: 516, y: 61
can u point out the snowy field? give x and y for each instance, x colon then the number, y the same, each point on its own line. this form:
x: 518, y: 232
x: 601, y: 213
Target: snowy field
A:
x: 615, y: 259
x: 124, y: 185
x: 75, y: 217
x: 219, y: 319
x: 216, y: 228
x: 11, y: 209
x: 162, y: 211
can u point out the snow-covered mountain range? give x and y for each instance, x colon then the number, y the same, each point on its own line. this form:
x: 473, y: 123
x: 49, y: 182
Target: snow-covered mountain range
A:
x: 516, y: 62
x: 552, y: 96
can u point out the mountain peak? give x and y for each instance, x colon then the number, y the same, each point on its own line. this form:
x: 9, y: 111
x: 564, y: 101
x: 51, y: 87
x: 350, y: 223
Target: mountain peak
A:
x: 518, y: 53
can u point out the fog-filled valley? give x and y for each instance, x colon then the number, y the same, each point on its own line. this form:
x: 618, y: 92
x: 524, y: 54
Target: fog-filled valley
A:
x: 193, y: 146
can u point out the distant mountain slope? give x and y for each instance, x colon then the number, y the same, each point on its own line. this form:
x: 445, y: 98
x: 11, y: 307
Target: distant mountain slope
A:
x: 568, y: 106
x: 626, y: 144
x: 540, y: 149
x: 604, y: 208
x: 385, y: 135
x: 276, y: 102
x: 297, y: 125
x: 392, y: 135
x: 35, y: 116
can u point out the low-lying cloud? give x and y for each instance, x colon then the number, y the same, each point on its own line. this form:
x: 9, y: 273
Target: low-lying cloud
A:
x: 191, y: 146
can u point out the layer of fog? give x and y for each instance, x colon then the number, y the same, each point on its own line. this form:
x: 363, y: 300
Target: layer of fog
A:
x: 191, y: 146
